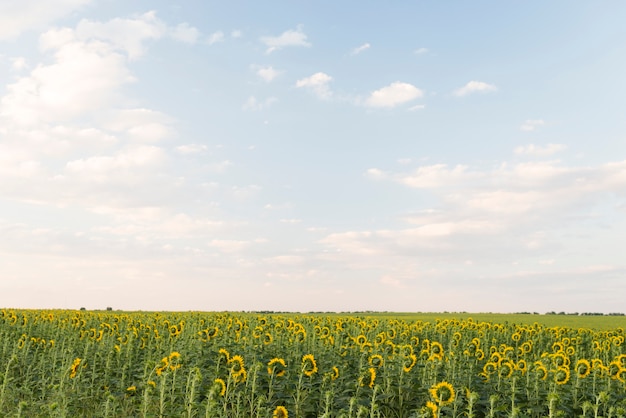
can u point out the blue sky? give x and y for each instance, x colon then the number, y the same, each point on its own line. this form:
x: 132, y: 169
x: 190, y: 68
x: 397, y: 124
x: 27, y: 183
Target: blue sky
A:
x: 298, y: 156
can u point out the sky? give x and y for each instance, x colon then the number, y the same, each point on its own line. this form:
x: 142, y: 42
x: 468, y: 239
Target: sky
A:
x: 313, y: 155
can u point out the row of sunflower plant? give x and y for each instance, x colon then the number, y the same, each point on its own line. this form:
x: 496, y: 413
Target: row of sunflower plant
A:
x: 194, y: 364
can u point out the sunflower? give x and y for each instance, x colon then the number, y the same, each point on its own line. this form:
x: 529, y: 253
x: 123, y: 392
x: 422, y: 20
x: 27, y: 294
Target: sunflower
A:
x: 376, y: 360
x: 361, y: 339
x: 432, y: 407
x: 276, y: 366
x: 527, y: 346
x: 280, y: 412
x: 74, y: 367
x: 442, y: 393
x: 436, y: 351
x: 335, y: 374
x: 562, y: 375
x: 174, y: 360
x: 372, y: 376
x: 583, y: 368
x: 409, y: 362
x: 237, y: 364
x: 521, y: 366
x: 490, y: 368
x: 267, y: 338
x: 223, y: 353
x: 506, y: 369
x: 540, y: 369
x: 219, y: 383
x: 309, y: 366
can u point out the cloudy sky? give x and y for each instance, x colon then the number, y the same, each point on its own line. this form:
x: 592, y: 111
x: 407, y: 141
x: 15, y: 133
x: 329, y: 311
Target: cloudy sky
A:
x: 327, y: 156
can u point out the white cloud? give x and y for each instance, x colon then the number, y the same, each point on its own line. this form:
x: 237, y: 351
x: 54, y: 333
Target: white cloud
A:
x: 267, y: 74
x: 19, y: 16
x: 215, y: 37
x: 420, y: 51
x: 236, y: 34
x: 416, y: 107
x: 288, y: 38
x: 360, y: 49
x: 19, y: 63
x: 318, y: 84
x: 128, y: 35
x: 254, y: 104
x: 474, y: 87
x: 435, y: 176
x: 531, y: 124
x: 84, y: 76
x: 393, y: 95
x: 539, y: 151
x: 191, y: 149
x: 183, y: 32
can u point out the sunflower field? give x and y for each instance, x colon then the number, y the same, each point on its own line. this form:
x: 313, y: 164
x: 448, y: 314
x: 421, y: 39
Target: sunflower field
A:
x: 57, y: 363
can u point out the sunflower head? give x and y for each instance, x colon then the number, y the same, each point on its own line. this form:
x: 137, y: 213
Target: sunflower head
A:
x: 309, y: 365
x: 442, y: 393
x: 280, y: 412
x: 276, y: 367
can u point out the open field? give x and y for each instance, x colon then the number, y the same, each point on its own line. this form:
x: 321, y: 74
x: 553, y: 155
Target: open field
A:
x: 195, y: 364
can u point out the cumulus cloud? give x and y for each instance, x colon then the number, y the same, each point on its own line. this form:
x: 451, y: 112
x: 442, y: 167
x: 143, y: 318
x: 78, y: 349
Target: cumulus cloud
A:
x: 267, y: 73
x: 288, y: 38
x: 127, y: 34
x: 84, y: 76
x: 318, y: 84
x: 360, y: 49
x: 254, y: 104
x: 19, y: 16
x: 393, y: 95
x: 185, y: 33
x: 474, y: 87
x: 215, y: 38
x: 540, y: 151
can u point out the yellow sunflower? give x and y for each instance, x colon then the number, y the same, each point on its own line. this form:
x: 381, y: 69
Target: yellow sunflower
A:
x: 409, y: 362
x: 309, y: 366
x: 583, y: 368
x: 276, y: 366
x: 442, y: 393
x: 220, y: 385
x: 280, y: 412
x: 562, y: 375
x: 376, y: 360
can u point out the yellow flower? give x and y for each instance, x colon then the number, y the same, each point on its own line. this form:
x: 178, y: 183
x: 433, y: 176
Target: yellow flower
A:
x: 74, y: 367
x: 540, y: 369
x: 273, y: 367
x: 222, y: 386
x: 372, y: 372
x: 223, y: 352
x: 583, y: 368
x: 433, y: 408
x: 436, y: 351
x: 335, y: 374
x: 409, y: 362
x: 237, y: 363
x: 376, y: 360
x: 131, y: 388
x: 442, y: 393
x: 280, y: 412
x: 152, y: 383
x: 309, y: 366
x: 174, y: 359
x: 562, y: 375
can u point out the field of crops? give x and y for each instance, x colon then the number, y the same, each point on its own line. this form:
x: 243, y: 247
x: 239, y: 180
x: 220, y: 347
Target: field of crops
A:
x: 193, y: 364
